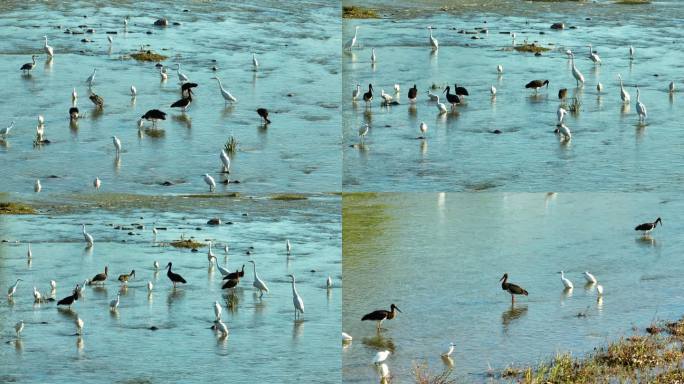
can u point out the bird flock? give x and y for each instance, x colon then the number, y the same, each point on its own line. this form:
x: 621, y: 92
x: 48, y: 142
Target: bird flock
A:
x: 382, y: 315
x: 460, y: 93
x: 154, y: 115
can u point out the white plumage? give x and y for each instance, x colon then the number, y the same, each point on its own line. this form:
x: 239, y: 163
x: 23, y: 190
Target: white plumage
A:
x: 210, y: 182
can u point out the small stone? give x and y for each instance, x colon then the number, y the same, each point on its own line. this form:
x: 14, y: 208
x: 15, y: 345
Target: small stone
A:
x: 557, y: 26
x: 161, y: 22
x: 194, y: 250
x: 214, y: 221
x: 149, y: 32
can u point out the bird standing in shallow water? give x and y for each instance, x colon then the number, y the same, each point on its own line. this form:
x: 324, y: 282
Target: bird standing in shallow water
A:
x: 13, y: 289
x: 29, y: 66
x: 449, y: 350
x: 591, y: 279
x: 624, y: 95
x: 296, y: 299
x: 100, y: 277
x: 114, y: 304
x: 97, y: 100
x: 381, y: 315
x: 433, y: 42
x: 363, y: 131
x: 423, y: 130
x: 258, y: 283
x: 536, y: 84
x: 380, y: 357
x: 511, y: 288
x: 210, y: 182
x: 227, y: 96
x: 567, y: 284
x: 217, y: 310
x: 413, y: 94
x: 88, y: 238
x: 641, y: 108
x: 368, y: 96
x: 91, y: 79
x: 352, y: 42
x: 18, y: 327
x: 48, y: 49
x: 124, y: 278
x: 225, y: 161
x: 646, y: 228
x: 174, y: 277
x: 154, y: 115
x: 97, y: 183
x: 37, y: 187
x: 79, y: 325
x: 255, y: 63
x: 5, y: 131
x: 263, y: 112
x: 117, y: 145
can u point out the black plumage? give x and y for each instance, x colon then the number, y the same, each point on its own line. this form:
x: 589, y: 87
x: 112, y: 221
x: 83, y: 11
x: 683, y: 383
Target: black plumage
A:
x: 460, y: 91
x: 263, y: 112
x: 183, y: 103
x: 381, y: 315
x: 154, y: 115
x: 232, y: 283
x: 186, y: 88
x: 511, y: 288
x: 236, y: 274
x: 71, y: 298
x: 536, y: 84
x: 29, y: 66
x: 174, y: 277
x: 73, y: 113
x: 100, y: 277
x: 368, y: 96
x: 413, y: 92
x: 562, y: 93
x: 648, y: 227
x: 453, y: 99
x: 97, y: 100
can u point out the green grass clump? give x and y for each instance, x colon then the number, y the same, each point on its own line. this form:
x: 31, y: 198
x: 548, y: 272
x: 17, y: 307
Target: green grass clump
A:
x: 186, y: 243
x: 356, y: 12
x: 534, y: 48
x: 9, y: 208
x: 231, y: 146
x: 148, y: 56
x: 288, y: 197
x: 422, y: 375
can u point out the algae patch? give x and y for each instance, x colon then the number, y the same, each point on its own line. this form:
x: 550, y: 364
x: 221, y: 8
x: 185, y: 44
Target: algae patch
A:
x: 9, y: 208
x: 356, y: 12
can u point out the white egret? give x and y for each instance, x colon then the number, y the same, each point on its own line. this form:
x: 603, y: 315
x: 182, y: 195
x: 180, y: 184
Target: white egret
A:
x: 117, y: 145
x: 560, y: 115
x: 449, y: 350
x: 671, y: 87
x: 564, y: 131
x: 363, y: 131
x: 74, y: 96
x: 346, y: 337
x: 296, y: 299
x: 624, y: 95
x: 134, y: 91
x: 109, y: 38
x: 29, y: 254
x: 225, y: 160
x: 97, y: 183
x: 41, y: 120
x: 579, y: 78
x: 18, y: 327
x: 381, y: 357
x: 352, y: 42
x: 356, y: 92
x: 150, y: 286
x: 374, y: 58
x: 48, y: 49
x: 441, y: 107
x: 383, y: 373
x: 36, y: 186
x: 53, y: 285
x: 423, y: 129
x: 79, y: 325
x: 222, y: 270
x: 210, y: 182
x: 288, y: 246
x: 432, y: 96
x: 258, y: 283
x: 599, y: 290
x: 386, y: 97
x: 156, y: 265
x: 88, y: 238
x: 255, y: 63
x: 631, y: 52
x: 599, y: 87
x: 181, y: 76
x: 499, y: 69
x: 492, y: 90
x: 641, y: 108
x: 217, y: 310
x: 162, y: 73
x: 12, y: 289
x: 433, y: 42
x: 210, y: 255
x: 221, y: 327
x: 227, y: 96
x: 329, y: 282
x: 114, y: 304
x: 5, y: 131
x: 154, y: 232
x: 397, y: 88
x: 91, y: 79
x: 36, y: 295
x: 594, y: 56
x: 566, y: 283
x: 591, y: 279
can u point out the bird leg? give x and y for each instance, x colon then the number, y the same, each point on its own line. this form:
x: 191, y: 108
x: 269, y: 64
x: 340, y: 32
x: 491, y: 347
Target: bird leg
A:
x: 512, y: 299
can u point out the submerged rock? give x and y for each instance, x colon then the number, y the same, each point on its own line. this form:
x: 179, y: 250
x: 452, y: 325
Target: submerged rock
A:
x: 558, y: 26
x: 161, y: 22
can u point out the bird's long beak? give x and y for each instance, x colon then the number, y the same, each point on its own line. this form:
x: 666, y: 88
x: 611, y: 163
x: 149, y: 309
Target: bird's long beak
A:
x: 397, y: 308
x: 502, y: 277
x: 444, y: 91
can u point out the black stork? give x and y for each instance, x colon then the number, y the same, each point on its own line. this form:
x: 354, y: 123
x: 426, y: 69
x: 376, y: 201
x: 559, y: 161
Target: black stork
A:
x: 236, y: 274
x: 174, y: 277
x: 231, y: 283
x: 368, y: 96
x: 71, y: 298
x: 536, y: 84
x: 648, y: 227
x: 29, y: 66
x: 460, y: 91
x: 263, y: 113
x: 125, y: 277
x: 73, y: 113
x: 183, y: 103
x: 511, y: 288
x: 381, y: 315
x: 97, y: 100
x: 453, y: 99
x: 186, y: 89
x: 562, y: 93
x: 413, y: 93
x: 154, y: 115
x: 100, y: 277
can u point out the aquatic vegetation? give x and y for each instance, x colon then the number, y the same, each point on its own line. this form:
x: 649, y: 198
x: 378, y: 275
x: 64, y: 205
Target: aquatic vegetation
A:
x: 288, y: 197
x: 154, y: 132
x: 633, y: 2
x: 9, y: 208
x: 148, y: 56
x: 231, y: 145
x: 186, y: 243
x: 422, y: 375
x: 356, y: 12
x: 531, y: 47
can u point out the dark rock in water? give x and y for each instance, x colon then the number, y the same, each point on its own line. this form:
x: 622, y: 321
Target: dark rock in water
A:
x: 251, y: 247
x: 153, y: 328
x: 497, y: 132
x: 112, y: 32
x: 194, y: 250
x: 161, y: 22
x: 475, y: 37
x: 198, y: 228
x: 90, y: 30
x: 167, y: 183
x: 230, y: 223
x: 86, y: 41
x: 235, y: 181
x: 557, y: 26
x: 53, y: 177
x: 214, y: 221
x: 186, y: 10
x: 313, y: 271
x: 159, y: 65
x: 149, y: 32
x: 176, y: 23
x: 542, y: 33
x: 248, y: 252
x: 587, y: 18
x: 574, y: 27
x: 245, y: 214
x: 290, y: 94
x: 537, y: 54
x: 131, y: 233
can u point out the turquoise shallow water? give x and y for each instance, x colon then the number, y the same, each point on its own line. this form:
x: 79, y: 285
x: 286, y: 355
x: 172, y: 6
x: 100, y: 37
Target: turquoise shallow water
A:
x: 609, y: 150
x: 439, y: 257
x: 265, y: 343
x: 297, y: 45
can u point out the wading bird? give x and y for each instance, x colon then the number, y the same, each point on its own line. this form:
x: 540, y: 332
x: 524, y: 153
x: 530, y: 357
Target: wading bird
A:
x: 356, y: 92
x: 227, y: 96
x: 97, y: 183
x: 346, y: 337
x: 352, y: 42
x: 29, y: 66
x: 381, y: 315
x: 453, y: 99
x: 449, y: 350
x: 413, y: 94
x: 174, y: 277
x: 599, y: 87
x: 511, y: 288
x: 631, y: 52
x: 5, y: 131
x: 594, y: 56
x: 100, y: 277
x: 380, y: 357
x: 441, y: 107
x: 91, y: 79
x: 217, y: 310
x: 236, y: 274
x: 579, y: 78
x: 499, y: 69
x: 263, y: 113
x: 48, y: 49
x: 79, y: 325
x: 423, y: 130
x: 363, y: 132
x: 225, y: 161
x: 567, y: 284
x: 641, y: 108
x: 329, y: 282
x: 87, y: 237
x: 646, y: 228
x: 37, y: 297
x: 591, y: 279
x: 114, y: 304
x: 671, y: 87
x: 18, y: 327
x: 117, y: 145
x: 154, y: 115
x: 623, y: 93
x: 210, y: 182
x: 124, y: 278
x: 69, y: 300
x: 73, y: 113
x: 373, y: 58
x: 258, y: 283
x: 296, y: 299
x: 255, y: 63
x: 183, y: 103
x: 134, y: 91
x: 97, y: 100
x: 181, y: 76
x: 536, y: 84
x: 565, y: 133
x: 433, y: 42
x: 13, y: 289
x: 37, y: 187
x: 492, y: 90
